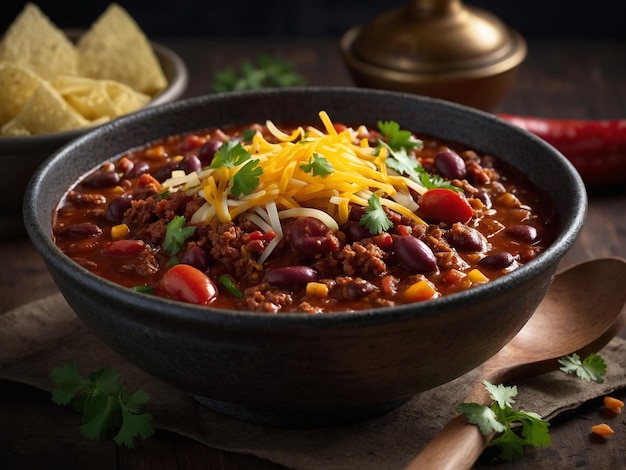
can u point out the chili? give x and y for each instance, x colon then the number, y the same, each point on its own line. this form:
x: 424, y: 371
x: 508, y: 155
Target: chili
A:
x: 596, y: 148
x: 358, y: 252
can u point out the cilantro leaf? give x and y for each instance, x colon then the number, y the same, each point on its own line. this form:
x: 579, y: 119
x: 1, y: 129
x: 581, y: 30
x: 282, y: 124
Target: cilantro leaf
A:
x: 107, y: 406
x: 318, y: 165
x: 246, y: 178
x: 266, y: 72
x: 482, y: 416
x: 591, y: 369
x: 175, y: 235
x: 398, y: 139
x: 434, y: 181
x: 499, y: 418
x: 230, y: 155
x: 375, y: 218
x: 502, y: 395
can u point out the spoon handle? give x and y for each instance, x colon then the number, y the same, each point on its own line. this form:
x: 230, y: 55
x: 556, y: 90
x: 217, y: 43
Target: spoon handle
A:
x: 456, y: 447
x: 459, y: 444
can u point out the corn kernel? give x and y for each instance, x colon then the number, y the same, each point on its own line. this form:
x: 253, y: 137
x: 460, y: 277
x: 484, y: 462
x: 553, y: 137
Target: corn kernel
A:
x: 421, y: 290
x: 477, y: 277
x: 119, y: 231
x: 317, y: 289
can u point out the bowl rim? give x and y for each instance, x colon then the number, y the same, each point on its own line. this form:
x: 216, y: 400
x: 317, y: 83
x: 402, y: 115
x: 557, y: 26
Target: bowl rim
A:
x: 165, y: 310
x: 175, y: 88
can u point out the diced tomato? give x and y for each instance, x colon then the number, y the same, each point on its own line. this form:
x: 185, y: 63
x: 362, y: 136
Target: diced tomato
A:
x: 147, y: 179
x: 187, y: 284
x: 445, y: 205
x: 123, y: 247
x: 383, y: 240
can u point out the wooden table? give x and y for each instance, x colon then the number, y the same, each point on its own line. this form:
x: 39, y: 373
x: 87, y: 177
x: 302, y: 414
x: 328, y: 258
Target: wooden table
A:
x: 560, y: 78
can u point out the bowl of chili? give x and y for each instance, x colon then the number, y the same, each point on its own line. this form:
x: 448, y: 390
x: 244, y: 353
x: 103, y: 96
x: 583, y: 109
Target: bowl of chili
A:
x: 363, y: 301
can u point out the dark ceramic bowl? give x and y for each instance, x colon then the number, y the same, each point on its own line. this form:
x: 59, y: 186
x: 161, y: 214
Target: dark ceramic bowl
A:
x: 22, y: 155
x: 299, y: 370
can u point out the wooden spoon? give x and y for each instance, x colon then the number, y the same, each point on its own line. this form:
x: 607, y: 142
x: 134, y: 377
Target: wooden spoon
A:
x: 582, y: 311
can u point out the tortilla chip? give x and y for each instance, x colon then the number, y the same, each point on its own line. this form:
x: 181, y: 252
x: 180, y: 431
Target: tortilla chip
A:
x: 46, y: 112
x: 17, y: 85
x: 96, y: 99
x: 14, y: 128
x: 115, y: 48
x: 35, y: 43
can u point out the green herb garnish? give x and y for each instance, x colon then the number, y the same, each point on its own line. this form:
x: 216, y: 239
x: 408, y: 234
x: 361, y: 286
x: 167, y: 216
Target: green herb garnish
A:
x: 175, y: 235
x: 591, y: 369
x: 375, y: 218
x: 399, y: 143
x: 500, y: 416
x: 231, y: 155
x: 267, y: 72
x: 108, y: 408
x: 318, y: 166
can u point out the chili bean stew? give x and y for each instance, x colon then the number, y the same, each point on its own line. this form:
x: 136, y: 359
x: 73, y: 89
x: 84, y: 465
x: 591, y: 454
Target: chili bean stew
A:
x: 303, y: 218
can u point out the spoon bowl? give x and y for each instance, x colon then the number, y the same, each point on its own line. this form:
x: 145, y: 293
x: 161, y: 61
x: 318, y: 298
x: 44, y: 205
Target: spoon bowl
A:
x: 581, y: 312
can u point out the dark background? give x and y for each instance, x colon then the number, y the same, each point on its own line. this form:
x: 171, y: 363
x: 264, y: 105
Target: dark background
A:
x: 316, y: 18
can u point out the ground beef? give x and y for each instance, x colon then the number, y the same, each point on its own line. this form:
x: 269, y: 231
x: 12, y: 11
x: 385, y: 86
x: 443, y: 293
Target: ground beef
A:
x: 362, y: 258
x: 261, y: 298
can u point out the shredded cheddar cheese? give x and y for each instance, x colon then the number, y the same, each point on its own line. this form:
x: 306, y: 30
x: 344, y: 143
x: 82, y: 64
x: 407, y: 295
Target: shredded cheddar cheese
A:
x: 286, y: 190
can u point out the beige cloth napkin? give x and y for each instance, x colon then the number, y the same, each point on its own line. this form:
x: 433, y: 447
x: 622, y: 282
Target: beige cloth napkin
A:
x: 45, y: 334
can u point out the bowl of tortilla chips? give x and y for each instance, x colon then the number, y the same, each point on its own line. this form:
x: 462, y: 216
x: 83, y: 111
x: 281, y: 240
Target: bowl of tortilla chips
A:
x: 56, y: 85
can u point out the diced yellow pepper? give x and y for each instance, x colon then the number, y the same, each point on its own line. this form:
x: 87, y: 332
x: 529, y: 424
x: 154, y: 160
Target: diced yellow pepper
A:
x: 477, y: 277
x: 156, y: 152
x: 119, y: 231
x: 421, y: 290
x: 317, y: 289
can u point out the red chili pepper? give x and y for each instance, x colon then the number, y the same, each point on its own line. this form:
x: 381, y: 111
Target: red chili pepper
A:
x: 597, y: 149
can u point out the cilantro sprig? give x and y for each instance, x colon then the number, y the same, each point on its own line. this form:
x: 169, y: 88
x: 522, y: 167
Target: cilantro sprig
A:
x: 232, y: 155
x: 318, y: 165
x: 176, y: 234
x: 500, y: 418
x: 375, y: 218
x: 592, y: 368
x: 108, y: 408
x: 399, y: 143
x: 266, y: 72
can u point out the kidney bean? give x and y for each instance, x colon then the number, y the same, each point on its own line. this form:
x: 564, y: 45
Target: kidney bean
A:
x: 310, y: 236
x: 524, y: 233
x: 207, y: 151
x: 165, y: 171
x: 196, y: 257
x: 465, y: 238
x: 290, y: 275
x: 415, y: 255
x: 190, y: 163
x: 138, y: 169
x: 359, y: 288
x: 450, y: 165
x: 102, y: 179
x: 355, y: 231
x: 82, y: 230
x: 116, y: 208
x: 498, y: 260
x: 123, y: 247
x: 483, y: 196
